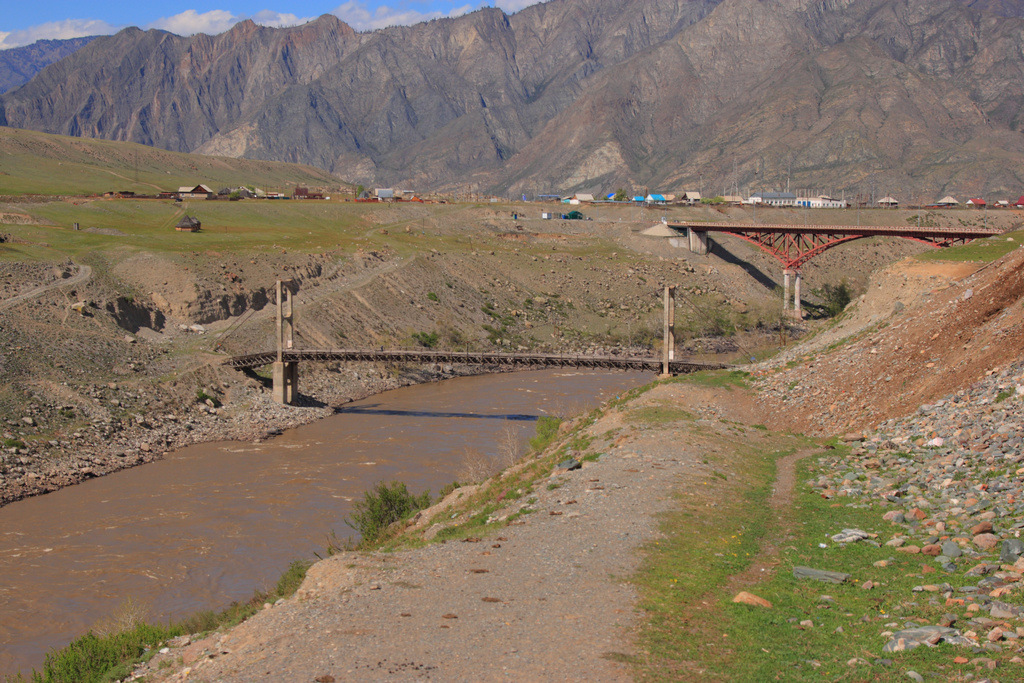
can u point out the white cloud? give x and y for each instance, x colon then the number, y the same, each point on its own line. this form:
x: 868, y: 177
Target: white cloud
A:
x: 515, y: 5
x: 56, y: 30
x: 278, y: 19
x: 190, y: 22
x: 356, y: 14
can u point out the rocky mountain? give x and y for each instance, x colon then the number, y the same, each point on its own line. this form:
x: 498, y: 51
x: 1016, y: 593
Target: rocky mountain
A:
x: 907, y: 97
x: 19, y: 64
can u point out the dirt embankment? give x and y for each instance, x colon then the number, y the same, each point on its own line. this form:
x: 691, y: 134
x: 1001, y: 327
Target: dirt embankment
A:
x: 921, y: 332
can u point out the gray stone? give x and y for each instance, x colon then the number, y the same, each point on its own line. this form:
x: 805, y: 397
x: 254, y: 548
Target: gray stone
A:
x: 1011, y: 550
x: 569, y: 465
x: 951, y: 550
x: 820, y: 575
x: 910, y: 638
x: 850, y: 536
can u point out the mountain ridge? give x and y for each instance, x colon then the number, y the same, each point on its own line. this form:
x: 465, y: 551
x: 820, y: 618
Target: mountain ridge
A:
x: 915, y: 96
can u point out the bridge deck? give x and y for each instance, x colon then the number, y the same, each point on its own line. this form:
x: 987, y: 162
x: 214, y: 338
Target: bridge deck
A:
x: 866, y: 230
x: 536, y: 360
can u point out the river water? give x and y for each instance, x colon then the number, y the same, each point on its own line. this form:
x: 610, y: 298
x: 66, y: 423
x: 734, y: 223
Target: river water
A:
x: 209, y: 524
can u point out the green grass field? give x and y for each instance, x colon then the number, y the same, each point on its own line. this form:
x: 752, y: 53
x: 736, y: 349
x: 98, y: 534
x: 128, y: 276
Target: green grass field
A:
x: 40, y: 164
x: 985, y: 251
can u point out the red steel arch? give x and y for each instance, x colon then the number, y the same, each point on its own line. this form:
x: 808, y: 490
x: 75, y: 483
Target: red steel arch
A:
x: 795, y: 245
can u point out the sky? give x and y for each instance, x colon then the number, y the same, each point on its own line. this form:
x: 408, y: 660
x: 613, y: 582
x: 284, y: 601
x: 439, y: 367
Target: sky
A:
x: 25, y: 23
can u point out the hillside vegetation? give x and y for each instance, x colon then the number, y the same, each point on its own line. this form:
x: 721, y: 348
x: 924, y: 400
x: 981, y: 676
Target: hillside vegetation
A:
x: 40, y: 164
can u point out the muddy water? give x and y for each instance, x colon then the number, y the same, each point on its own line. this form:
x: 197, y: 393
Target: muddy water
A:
x: 210, y: 524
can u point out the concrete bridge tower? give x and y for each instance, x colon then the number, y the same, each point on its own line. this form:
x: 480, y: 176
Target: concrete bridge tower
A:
x: 286, y: 373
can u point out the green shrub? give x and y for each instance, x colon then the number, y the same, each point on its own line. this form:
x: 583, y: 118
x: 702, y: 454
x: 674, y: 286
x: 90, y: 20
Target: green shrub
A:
x: 432, y: 296
x: 381, y: 507
x: 94, y: 658
x: 836, y: 297
x: 203, y: 397
x: 547, y: 431
x: 427, y: 339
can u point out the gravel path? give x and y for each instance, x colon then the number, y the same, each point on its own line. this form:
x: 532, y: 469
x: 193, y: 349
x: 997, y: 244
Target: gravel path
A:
x: 83, y: 275
x: 546, y: 598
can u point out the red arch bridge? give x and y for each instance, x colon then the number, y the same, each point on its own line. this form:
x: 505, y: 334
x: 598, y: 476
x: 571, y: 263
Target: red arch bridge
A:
x: 795, y: 245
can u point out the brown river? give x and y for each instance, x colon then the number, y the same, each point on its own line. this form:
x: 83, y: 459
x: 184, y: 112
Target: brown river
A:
x: 209, y: 524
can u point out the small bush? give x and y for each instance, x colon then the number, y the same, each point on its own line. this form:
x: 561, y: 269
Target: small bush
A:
x: 427, y: 339
x: 203, y: 397
x: 432, y: 296
x: 381, y: 507
x: 1003, y: 395
x: 836, y: 297
x: 547, y: 431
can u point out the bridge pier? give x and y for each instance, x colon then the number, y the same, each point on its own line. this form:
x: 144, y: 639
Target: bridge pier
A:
x: 286, y: 382
x: 785, y: 288
x: 669, y: 342
x: 699, y: 242
x: 285, y: 373
x: 796, y: 310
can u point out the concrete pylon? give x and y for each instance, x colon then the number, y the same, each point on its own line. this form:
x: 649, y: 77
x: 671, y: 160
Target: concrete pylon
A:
x: 286, y: 374
x: 785, y: 289
x: 669, y: 341
x: 798, y: 311
x: 698, y: 241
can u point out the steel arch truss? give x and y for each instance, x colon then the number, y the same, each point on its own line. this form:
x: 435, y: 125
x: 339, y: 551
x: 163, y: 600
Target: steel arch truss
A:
x: 794, y: 245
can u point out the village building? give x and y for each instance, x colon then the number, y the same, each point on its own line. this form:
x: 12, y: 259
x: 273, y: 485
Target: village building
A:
x: 690, y: 197
x: 947, y: 201
x: 822, y: 202
x: 888, y: 203
x: 194, y: 192
x: 305, y: 193
x: 188, y: 224
x: 976, y: 203
x: 774, y: 198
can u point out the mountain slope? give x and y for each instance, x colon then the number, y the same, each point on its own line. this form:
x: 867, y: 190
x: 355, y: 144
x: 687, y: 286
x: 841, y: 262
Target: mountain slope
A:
x: 918, y: 96
x: 19, y: 64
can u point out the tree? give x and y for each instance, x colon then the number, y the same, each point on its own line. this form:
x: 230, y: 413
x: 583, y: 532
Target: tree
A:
x: 836, y: 298
x: 620, y: 195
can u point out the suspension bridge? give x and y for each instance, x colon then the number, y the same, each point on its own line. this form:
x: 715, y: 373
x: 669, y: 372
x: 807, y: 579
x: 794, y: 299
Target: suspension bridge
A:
x: 285, y: 359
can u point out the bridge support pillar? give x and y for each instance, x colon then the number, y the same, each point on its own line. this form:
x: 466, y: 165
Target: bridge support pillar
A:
x: 286, y: 373
x: 785, y: 289
x: 699, y: 243
x: 669, y: 342
x: 286, y: 382
x: 798, y: 311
